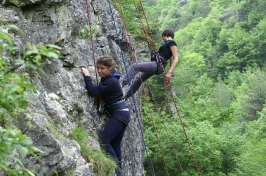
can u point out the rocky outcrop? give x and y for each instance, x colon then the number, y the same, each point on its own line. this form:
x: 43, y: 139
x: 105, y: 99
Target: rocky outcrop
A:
x: 183, y: 2
x: 232, y: 13
x: 60, y: 103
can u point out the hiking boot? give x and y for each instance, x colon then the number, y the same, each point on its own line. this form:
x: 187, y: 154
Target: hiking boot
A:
x: 118, y: 172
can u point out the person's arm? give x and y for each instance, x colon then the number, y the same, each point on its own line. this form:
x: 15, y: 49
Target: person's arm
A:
x: 173, y: 63
x: 91, y: 88
x: 101, y: 88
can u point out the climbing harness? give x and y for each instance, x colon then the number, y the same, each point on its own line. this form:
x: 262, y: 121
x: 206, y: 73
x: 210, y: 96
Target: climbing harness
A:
x: 116, y: 103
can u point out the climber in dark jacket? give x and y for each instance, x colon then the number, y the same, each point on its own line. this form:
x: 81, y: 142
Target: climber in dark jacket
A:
x: 112, y: 95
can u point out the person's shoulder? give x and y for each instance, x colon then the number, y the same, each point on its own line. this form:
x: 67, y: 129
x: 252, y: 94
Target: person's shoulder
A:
x: 112, y: 80
x: 172, y: 43
x: 115, y: 73
x: 115, y: 77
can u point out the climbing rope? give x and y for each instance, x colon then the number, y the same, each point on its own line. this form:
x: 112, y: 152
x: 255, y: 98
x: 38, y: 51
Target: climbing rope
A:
x: 158, y: 140
x: 131, y: 50
x: 187, y: 138
x: 180, y: 119
x: 152, y: 119
x: 169, y: 140
x: 91, y: 35
x: 148, y: 39
x: 184, y: 130
x: 156, y: 133
x: 97, y: 99
x: 134, y: 101
x: 154, y: 44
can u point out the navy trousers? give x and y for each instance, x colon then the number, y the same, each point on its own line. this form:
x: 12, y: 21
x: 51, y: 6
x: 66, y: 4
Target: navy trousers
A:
x: 112, y: 136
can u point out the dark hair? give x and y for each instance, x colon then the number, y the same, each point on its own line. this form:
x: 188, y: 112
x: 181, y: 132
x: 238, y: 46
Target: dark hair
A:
x: 106, y: 61
x: 168, y: 33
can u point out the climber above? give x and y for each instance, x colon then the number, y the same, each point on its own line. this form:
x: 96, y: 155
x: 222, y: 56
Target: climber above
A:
x: 168, y: 51
x: 117, y: 110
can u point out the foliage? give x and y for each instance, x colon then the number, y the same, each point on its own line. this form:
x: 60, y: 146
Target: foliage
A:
x: 14, y: 96
x: 156, y: 87
x: 15, y: 145
x: 252, y: 156
x: 103, y: 164
x: 14, y: 86
x: 14, y: 2
x: 86, y: 33
x: 251, y: 94
x: 36, y: 56
x: 219, y: 86
x: 133, y: 11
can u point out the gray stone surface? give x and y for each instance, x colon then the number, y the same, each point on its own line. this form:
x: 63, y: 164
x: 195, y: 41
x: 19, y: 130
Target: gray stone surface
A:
x: 61, y: 103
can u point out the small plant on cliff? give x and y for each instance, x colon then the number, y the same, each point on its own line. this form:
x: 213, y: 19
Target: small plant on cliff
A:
x: 38, y: 55
x: 14, y: 2
x: 102, y: 163
x: 86, y: 34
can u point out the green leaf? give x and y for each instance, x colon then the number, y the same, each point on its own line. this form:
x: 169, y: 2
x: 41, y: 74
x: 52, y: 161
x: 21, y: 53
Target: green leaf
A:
x: 54, y: 46
x: 5, y: 35
x: 31, y: 52
x: 52, y: 55
x: 6, y: 105
x: 12, y: 27
x: 28, y: 85
x: 23, y: 152
x: 30, y: 172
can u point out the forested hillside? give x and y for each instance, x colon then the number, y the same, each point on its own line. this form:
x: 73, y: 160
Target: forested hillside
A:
x: 219, y: 86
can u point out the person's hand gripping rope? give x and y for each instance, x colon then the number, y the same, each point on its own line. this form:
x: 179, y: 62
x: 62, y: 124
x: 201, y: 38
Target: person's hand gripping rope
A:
x: 167, y: 79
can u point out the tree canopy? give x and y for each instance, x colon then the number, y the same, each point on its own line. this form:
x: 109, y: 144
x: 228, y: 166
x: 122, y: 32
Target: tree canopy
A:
x: 219, y: 87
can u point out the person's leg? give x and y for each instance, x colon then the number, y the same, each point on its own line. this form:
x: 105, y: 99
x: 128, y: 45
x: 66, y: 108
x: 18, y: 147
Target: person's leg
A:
x: 135, y: 86
x: 145, y: 67
x: 110, y: 132
x: 116, y: 142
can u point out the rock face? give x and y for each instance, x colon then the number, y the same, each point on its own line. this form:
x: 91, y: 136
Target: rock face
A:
x: 61, y: 102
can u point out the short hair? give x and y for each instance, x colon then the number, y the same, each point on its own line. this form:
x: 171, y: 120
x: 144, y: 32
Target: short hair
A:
x: 106, y: 61
x: 168, y: 33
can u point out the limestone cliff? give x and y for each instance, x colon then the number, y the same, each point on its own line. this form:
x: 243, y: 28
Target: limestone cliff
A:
x: 61, y: 103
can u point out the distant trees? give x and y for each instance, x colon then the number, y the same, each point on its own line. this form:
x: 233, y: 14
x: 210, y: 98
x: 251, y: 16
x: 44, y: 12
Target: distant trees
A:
x: 219, y: 86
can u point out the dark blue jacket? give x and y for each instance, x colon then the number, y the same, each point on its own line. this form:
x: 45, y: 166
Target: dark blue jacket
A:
x: 110, y: 90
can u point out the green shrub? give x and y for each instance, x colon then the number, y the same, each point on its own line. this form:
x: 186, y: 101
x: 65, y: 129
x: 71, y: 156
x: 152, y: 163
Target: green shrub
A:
x: 102, y: 162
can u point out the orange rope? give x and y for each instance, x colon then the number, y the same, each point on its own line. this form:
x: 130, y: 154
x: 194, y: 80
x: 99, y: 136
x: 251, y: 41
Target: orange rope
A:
x: 181, y: 122
x: 132, y: 50
x: 97, y: 99
x: 156, y: 133
x: 153, y: 41
x: 144, y: 32
x: 170, y: 141
x: 149, y: 108
x: 91, y: 35
x: 184, y: 130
